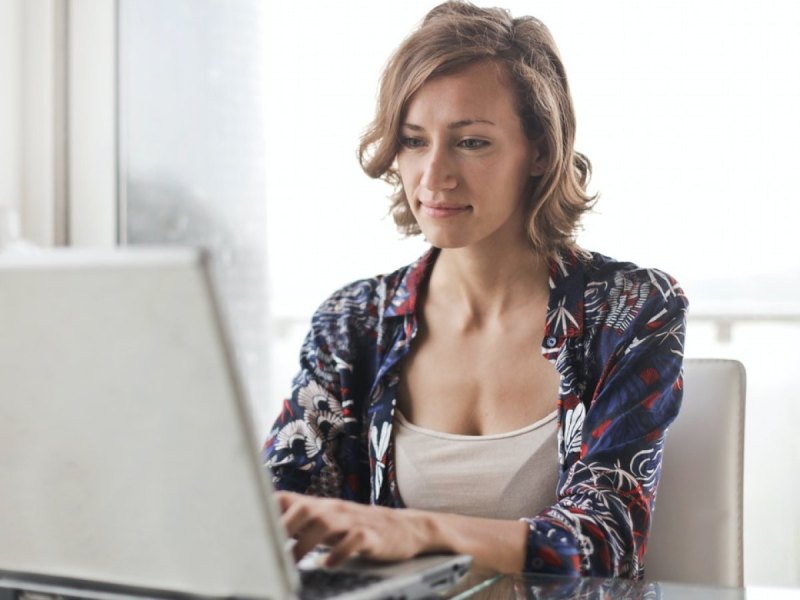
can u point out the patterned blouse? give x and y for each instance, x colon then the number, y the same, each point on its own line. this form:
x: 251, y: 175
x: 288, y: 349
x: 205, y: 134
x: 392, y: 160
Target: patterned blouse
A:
x: 613, y: 331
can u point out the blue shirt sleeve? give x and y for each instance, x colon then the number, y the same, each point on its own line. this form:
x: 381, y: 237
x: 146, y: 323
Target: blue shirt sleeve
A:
x: 614, y: 436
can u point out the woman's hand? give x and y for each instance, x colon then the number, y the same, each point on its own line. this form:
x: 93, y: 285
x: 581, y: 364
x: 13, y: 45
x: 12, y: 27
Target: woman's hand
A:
x: 381, y: 533
x: 350, y: 529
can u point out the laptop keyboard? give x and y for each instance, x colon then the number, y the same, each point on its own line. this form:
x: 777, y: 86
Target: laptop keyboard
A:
x: 319, y: 583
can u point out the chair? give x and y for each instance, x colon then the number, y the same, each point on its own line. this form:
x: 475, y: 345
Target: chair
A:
x: 696, y: 534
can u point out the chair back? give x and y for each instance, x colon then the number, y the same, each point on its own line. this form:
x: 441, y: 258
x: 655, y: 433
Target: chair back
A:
x: 696, y: 534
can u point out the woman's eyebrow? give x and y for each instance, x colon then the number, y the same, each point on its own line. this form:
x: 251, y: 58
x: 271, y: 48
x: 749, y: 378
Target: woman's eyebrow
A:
x: 453, y: 125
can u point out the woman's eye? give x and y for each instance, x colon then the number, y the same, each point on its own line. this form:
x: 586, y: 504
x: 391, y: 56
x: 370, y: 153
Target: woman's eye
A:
x: 411, y: 142
x: 473, y: 144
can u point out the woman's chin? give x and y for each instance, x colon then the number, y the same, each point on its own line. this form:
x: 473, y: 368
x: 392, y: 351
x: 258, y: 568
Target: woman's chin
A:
x: 446, y: 242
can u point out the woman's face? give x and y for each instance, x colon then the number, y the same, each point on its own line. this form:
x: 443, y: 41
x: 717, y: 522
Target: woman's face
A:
x: 465, y: 161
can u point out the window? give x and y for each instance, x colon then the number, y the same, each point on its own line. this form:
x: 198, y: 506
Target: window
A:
x: 191, y: 147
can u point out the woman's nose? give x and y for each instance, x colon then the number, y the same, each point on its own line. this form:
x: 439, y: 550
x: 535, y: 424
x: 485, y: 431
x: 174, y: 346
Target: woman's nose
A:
x: 438, y: 171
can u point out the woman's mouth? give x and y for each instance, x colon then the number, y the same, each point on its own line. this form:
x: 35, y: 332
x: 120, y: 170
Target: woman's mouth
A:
x: 443, y: 211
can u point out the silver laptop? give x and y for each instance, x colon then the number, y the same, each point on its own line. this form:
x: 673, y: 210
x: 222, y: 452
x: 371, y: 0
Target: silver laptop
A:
x: 128, y: 462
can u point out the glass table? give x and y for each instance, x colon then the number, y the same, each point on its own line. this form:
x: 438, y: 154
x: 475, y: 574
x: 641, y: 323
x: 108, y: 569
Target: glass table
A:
x: 484, y: 585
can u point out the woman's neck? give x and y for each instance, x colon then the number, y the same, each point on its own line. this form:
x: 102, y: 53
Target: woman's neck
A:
x: 487, y: 285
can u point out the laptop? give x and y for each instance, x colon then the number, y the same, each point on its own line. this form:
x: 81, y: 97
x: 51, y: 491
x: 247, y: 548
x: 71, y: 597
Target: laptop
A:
x: 128, y: 462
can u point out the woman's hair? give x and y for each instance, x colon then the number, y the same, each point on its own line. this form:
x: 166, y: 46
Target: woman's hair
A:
x: 453, y: 36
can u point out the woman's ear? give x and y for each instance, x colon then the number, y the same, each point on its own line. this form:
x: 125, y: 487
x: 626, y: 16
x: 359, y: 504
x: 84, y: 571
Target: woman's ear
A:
x: 538, y: 156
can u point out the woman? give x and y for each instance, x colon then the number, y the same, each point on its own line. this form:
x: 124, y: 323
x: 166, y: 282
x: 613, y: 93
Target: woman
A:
x: 509, y: 390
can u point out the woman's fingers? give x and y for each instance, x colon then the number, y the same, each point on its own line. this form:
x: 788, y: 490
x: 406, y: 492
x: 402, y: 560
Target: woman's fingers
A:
x: 295, y: 509
x: 352, y: 543
x: 285, y: 499
x: 312, y: 521
x: 299, y: 512
x: 315, y: 534
x: 349, y: 528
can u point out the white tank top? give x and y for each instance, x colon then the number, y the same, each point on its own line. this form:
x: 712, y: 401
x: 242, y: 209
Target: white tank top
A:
x: 504, y: 476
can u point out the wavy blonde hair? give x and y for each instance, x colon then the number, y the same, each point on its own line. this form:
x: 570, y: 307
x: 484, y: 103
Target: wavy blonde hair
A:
x: 452, y: 36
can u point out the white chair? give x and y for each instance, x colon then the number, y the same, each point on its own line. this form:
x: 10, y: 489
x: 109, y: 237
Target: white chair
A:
x: 696, y: 534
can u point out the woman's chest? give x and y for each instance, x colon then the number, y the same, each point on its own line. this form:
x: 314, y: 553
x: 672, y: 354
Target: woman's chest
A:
x: 476, y: 384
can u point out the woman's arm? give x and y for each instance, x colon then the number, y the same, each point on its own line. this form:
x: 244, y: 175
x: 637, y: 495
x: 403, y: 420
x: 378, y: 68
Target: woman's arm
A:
x: 613, y: 440
x: 382, y: 533
x: 315, y: 444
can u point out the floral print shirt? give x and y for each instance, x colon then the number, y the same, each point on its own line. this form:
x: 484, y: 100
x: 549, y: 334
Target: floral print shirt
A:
x: 613, y: 331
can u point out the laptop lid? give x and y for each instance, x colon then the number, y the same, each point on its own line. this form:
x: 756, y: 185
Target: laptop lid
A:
x: 126, y: 455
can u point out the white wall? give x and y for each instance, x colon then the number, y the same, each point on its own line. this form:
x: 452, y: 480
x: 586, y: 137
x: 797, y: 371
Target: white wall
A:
x: 10, y: 92
x: 31, y: 115
x: 41, y: 121
x: 40, y: 126
x: 92, y: 123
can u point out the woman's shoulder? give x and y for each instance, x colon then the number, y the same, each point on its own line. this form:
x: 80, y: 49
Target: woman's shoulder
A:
x: 618, y: 289
x: 599, y: 267
x: 391, y: 294
x: 608, y: 274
